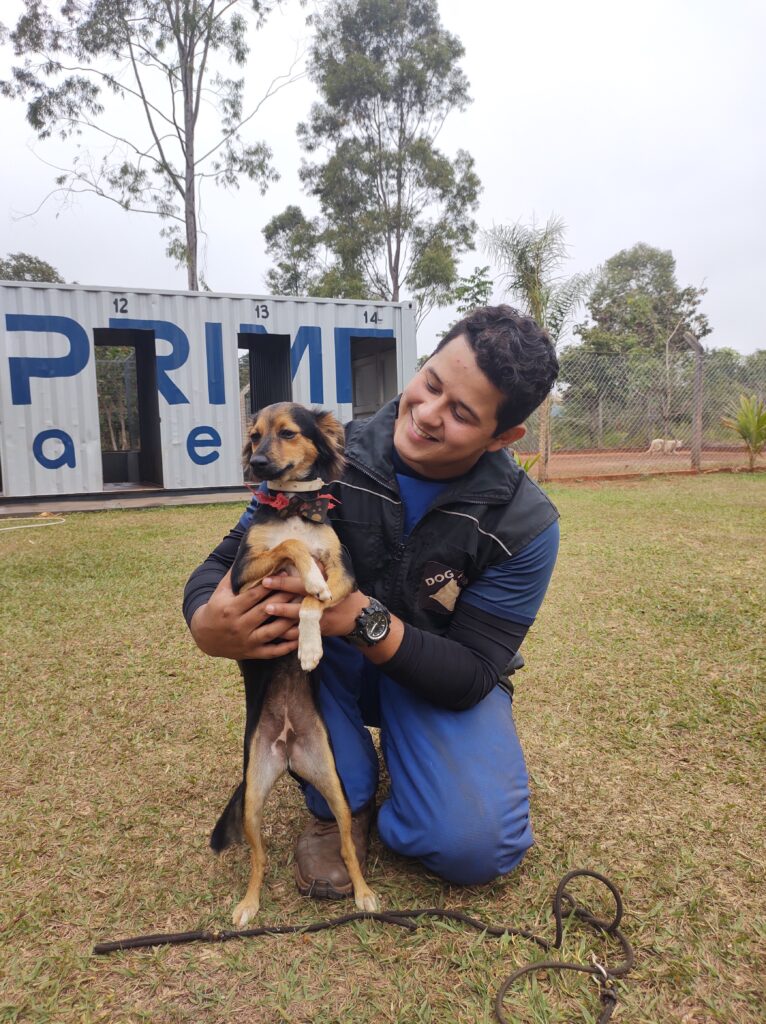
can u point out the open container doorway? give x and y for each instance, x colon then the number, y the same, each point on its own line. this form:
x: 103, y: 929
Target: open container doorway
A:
x: 128, y: 405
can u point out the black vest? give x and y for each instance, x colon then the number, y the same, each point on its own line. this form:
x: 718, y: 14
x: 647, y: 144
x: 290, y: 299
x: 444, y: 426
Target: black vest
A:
x: 479, y: 520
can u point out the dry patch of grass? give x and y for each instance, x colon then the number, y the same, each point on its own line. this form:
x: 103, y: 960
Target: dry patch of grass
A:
x: 641, y: 714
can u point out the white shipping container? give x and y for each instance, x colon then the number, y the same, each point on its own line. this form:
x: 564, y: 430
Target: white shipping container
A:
x: 62, y: 434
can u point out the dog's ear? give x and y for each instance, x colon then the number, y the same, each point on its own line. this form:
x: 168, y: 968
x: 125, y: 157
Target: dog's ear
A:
x: 330, y: 440
x: 247, y: 451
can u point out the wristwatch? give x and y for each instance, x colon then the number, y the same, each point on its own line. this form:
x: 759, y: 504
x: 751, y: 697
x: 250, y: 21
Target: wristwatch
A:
x: 373, y: 624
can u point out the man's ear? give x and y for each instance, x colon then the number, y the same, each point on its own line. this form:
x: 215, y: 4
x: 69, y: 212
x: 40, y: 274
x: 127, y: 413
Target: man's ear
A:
x: 507, y: 437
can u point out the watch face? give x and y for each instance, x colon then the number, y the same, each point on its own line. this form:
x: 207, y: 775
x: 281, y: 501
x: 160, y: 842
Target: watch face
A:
x: 376, y: 626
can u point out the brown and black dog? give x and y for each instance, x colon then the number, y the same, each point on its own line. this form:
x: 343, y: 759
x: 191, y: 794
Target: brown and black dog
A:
x: 296, y: 451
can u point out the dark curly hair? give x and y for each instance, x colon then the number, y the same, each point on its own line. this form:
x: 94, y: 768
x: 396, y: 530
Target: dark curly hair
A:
x: 515, y: 354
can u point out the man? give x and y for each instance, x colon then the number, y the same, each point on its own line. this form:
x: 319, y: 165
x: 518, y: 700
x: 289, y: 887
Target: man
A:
x: 453, y: 547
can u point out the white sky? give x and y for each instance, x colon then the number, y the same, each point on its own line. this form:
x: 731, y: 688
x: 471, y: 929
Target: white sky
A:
x: 634, y: 122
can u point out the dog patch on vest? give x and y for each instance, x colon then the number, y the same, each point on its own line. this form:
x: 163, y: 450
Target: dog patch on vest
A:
x: 440, y: 588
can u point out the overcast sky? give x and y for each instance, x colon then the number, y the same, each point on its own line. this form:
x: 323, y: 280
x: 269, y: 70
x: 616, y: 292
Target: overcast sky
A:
x: 634, y: 122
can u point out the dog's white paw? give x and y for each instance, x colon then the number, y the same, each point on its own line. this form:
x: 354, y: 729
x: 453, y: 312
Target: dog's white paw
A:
x: 367, y: 900
x: 316, y: 585
x: 309, y: 654
x: 309, y: 638
x: 244, y: 912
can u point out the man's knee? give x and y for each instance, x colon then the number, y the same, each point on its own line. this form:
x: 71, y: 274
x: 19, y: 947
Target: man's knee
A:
x: 461, y: 852
x: 474, y: 860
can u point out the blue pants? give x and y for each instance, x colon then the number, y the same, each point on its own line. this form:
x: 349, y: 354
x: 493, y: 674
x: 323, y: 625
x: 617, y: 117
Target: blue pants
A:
x: 459, y: 798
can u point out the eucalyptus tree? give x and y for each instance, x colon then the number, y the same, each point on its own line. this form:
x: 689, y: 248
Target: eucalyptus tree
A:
x: 530, y: 259
x: 396, y: 213
x: 173, y: 64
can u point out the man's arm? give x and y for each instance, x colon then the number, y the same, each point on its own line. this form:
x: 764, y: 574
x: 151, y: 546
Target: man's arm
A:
x: 492, y: 618
x: 229, y: 625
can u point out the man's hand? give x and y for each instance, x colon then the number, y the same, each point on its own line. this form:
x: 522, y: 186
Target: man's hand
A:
x: 237, y: 625
x: 336, y: 621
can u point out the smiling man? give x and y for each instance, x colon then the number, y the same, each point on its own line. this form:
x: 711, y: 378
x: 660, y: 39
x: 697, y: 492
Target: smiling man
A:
x: 453, y: 547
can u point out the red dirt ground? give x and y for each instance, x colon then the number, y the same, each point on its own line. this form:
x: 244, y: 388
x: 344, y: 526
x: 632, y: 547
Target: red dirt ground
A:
x: 589, y: 464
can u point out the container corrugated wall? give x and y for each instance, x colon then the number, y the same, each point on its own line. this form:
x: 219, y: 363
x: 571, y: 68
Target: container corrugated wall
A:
x: 49, y: 421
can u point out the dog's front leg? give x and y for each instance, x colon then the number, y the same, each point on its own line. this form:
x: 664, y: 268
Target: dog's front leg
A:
x: 265, y: 765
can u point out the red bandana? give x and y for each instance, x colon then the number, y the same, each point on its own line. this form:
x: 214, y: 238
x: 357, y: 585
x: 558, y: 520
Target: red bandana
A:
x: 313, y: 508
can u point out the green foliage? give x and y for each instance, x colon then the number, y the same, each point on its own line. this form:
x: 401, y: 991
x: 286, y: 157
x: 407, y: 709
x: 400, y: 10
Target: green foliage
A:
x: 20, y: 266
x: 531, y: 259
x: 158, y: 58
x: 525, y: 463
x: 292, y: 241
x: 471, y: 292
x: 302, y: 263
x: 749, y: 422
x: 636, y: 303
x: 396, y: 213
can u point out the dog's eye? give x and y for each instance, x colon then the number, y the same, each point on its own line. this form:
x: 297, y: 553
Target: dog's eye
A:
x: 287, y: 435
x: 255, y: 437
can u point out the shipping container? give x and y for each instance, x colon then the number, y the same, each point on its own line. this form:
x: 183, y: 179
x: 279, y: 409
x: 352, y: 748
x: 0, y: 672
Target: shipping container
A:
x: 103, y: 389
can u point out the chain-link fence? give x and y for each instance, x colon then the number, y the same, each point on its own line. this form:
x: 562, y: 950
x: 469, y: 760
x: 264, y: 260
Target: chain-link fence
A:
x: 615, y: 415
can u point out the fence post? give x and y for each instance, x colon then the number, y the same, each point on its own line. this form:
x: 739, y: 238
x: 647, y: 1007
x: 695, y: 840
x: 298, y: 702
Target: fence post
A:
x: 544, y: 440
x: 696, y: 445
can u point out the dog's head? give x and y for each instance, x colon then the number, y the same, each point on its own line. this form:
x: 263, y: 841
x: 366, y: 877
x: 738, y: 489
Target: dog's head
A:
x: 289, y: 442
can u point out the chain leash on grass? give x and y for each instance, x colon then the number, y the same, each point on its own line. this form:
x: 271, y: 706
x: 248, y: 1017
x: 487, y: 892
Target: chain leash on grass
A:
x: 564, y: 905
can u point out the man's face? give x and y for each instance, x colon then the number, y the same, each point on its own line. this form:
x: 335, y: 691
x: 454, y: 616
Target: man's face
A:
x: 448, y: 415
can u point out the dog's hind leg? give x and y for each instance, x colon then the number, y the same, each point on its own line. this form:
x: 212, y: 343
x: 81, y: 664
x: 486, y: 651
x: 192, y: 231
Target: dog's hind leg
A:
x: 295, y: 552
x: 340, y: 583
x: 309, y: 633
x: 267, y: 762
x: 311, y: 757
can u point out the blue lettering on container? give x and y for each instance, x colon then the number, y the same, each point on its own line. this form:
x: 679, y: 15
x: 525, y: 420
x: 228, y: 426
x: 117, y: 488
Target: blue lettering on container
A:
x: 216, y: 386
x: 306, y: 338
x: 203, y: 437
x: 23, y: 368
x: 166, y: 331
x: 67, y: 457
x: 343, y: 384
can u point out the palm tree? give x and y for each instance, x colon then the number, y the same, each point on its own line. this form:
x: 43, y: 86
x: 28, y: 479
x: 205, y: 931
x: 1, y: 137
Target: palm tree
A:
x: 750, y: 423
x: 530, y: 260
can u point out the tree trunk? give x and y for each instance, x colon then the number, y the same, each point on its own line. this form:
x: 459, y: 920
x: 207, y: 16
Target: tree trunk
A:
x: 109, y: 410
x: 190, y: 197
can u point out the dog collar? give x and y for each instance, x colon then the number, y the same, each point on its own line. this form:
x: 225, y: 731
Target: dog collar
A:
x: 295, y: 485
x: 314, y: 508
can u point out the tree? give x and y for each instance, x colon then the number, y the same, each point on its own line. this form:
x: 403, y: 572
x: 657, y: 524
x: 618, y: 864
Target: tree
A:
x: 471, y: 292
x: 158, y: 56
x: 292, y: 242
x: 396, y: 213
x: 637, y: 306
x: 636, y: 303
x: 303, y: 265
x: 530, y: 260
x: 20, y: 266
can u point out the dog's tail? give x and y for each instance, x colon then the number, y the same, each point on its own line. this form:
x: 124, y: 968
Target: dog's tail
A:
x: 228, y: 829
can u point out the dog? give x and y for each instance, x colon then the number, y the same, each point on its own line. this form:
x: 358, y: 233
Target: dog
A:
x: 297, y: 451
x: 662, y: 445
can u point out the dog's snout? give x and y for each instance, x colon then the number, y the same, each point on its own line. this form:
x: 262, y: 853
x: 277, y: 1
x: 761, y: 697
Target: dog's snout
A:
x: 259, y: 461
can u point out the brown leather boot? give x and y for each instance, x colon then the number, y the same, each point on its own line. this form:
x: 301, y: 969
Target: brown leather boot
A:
x: 319, y: 868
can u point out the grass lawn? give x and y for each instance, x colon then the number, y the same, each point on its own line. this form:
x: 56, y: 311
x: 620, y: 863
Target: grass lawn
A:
x: 641, y: 713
